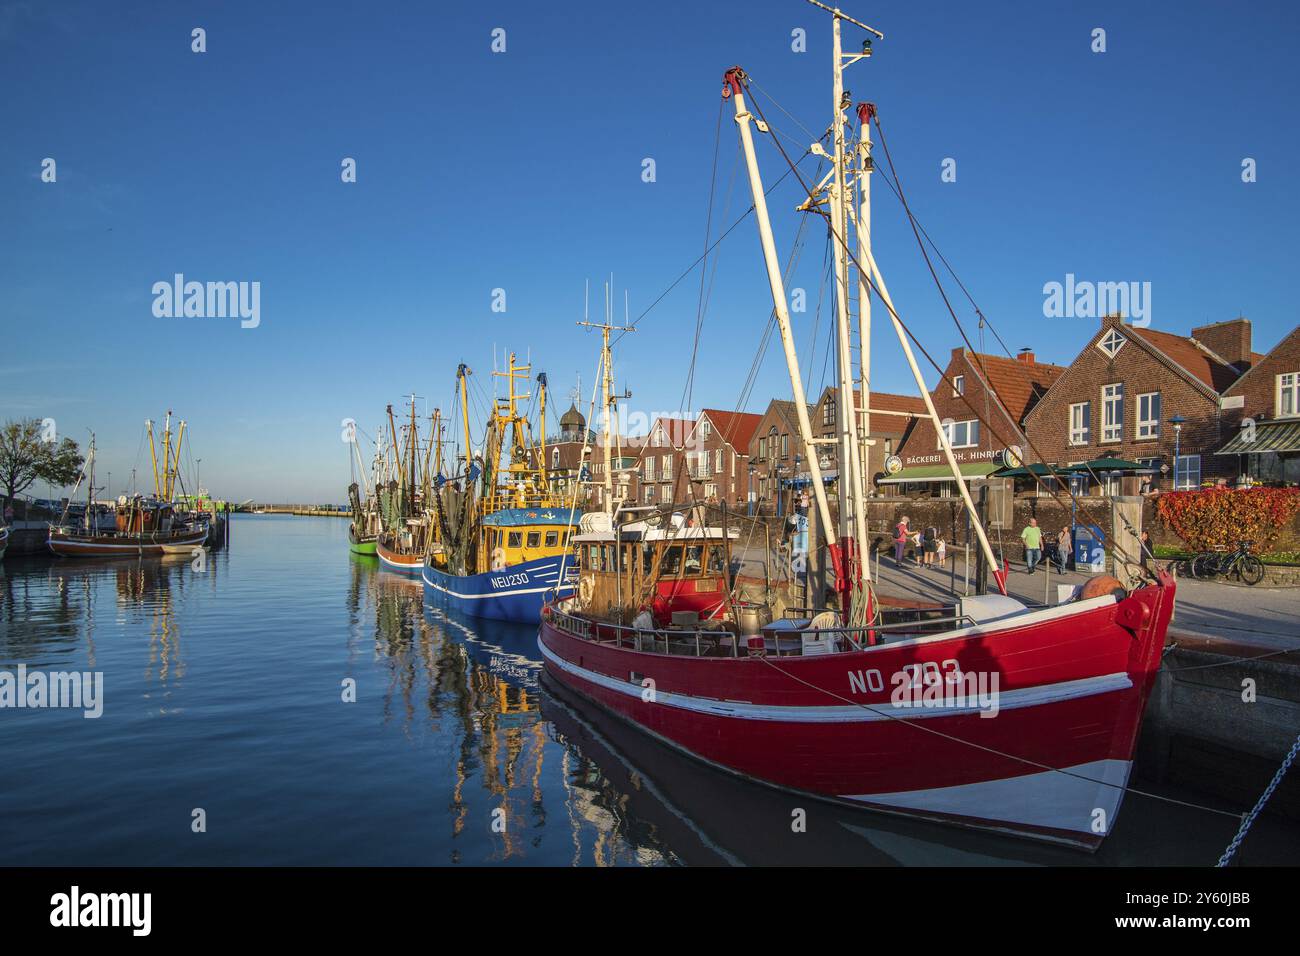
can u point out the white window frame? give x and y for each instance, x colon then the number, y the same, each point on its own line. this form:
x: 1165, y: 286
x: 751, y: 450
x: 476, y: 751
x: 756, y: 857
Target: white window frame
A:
x: 828, y: 412
x: 717, y: 462
x: 1184, y: 472
x: 649, y: 494
x: 649, y: 470
x: 958, y: 385
x: 969, y: 430
x: 706, y: 429
x: 1111, y: 343
x: 1081, y: 434
x: 1288, y: 388
x: 1148, y: 425
x: 1112, y: 413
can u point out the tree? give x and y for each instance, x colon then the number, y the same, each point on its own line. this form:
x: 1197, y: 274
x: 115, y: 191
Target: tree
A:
x: 26, y: 456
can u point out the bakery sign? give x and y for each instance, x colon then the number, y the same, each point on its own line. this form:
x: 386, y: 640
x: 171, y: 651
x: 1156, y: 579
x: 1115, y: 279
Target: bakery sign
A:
x: 974, y: 454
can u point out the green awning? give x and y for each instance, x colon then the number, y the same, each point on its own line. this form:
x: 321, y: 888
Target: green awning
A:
x: 1107, y: 464
x: 1268, y: 436
x: 928, y: 473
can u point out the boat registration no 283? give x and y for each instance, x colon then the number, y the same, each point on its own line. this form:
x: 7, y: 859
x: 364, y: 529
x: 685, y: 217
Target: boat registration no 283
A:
x: 912, y: 675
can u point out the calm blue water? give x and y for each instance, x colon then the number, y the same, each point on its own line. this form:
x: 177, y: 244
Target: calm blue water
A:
x: 223, y: 691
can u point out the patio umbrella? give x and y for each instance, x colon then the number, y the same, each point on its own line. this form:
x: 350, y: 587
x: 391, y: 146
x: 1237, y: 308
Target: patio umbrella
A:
x: 1109, y: 464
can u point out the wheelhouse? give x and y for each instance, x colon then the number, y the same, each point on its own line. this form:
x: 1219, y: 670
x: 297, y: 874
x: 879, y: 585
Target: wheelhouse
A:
x: 516, y: 535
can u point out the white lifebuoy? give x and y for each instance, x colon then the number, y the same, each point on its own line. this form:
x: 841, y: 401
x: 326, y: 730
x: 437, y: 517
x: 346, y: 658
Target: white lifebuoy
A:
x: 585, y: 589
x: 498, y: 559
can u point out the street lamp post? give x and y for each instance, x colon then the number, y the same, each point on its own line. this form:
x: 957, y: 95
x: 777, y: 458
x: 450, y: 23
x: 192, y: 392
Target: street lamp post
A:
x: 1177, y: 421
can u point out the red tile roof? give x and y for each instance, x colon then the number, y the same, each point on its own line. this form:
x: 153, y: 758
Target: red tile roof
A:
x: 1190, y: 356
x: 1018, y: 384
x: 736, y: 428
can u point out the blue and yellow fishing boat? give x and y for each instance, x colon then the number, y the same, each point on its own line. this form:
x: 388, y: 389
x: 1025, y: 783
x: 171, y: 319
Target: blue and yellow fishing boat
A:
x: 503, y: 533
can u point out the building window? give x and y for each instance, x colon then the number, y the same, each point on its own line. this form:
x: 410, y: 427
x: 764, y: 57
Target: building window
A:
x: 1112, y: 412
x: 667, y: 467
x: 785, y: 445
x: 828, y: 412
x: 706, y: 429
x: 962, y: 434
x: 649, y: 469
x: 959, y: 385
x: 1148, y: 416
x: 1111, y: 343
x: 1187, y: 472
x: 649, y: 494
x: 1288, y: 394
x: 717, y: 462
x: 762, y: 447
x: 710, y: 491
x: 1081, y: 423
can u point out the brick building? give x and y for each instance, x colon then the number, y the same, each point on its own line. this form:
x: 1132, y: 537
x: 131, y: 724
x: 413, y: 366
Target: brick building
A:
x: 892, y: 419
x: 776, y: 453
x: 970, y: 391
x: 1261, y: 415
x: 1119, y: 395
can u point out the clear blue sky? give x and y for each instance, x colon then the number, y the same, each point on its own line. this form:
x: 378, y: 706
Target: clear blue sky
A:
x: 523, y: 170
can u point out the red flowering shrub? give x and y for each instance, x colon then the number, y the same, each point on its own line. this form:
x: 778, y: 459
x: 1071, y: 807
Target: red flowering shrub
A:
x: 1224, y: 516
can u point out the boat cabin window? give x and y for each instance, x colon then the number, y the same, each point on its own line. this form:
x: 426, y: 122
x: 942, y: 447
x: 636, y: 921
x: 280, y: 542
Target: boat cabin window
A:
x: 552, y: 538
x: 672, y: 560
x: 534, y: 539
x: 717, y: 559
x: 647, y: 558
x: 694, y: 559
x: 516, y: 539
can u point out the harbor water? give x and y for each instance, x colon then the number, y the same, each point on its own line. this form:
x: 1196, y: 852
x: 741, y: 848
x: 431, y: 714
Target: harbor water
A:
x: 286, y: 702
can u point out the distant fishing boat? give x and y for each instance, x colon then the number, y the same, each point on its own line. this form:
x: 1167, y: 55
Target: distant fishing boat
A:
x: 363, y: 531
x: 406, y: 530
x: 141, y: 526
x: 504, y: 536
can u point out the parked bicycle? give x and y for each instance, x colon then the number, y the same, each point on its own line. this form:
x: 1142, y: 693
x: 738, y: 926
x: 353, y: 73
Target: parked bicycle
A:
x: 1240, y: 563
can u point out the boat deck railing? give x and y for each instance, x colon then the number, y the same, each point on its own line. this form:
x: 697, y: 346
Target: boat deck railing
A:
x: 724, y: 642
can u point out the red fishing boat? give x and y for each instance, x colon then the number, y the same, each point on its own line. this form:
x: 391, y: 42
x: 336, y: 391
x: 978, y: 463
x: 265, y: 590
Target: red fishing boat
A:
x: 986, y: 711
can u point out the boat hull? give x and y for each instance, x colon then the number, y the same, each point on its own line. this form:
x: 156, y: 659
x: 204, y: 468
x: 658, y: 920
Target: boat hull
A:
x: 126, y: 546
x: 398, y: 562
x: 1050, y: 762
x: 515, y: 594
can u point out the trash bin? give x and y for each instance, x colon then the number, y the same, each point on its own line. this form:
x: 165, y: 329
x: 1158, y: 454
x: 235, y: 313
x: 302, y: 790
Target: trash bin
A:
x: 1089, y: 548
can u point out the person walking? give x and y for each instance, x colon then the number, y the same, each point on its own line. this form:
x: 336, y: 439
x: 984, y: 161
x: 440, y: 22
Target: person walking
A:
x: 1032, y: 536
x: 1064, y: 548
x: 901, y: 534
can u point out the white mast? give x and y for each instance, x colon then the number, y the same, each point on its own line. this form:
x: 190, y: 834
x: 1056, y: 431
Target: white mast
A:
x: 608, y: 398
x: 853, y: 521
x: 733, y: 88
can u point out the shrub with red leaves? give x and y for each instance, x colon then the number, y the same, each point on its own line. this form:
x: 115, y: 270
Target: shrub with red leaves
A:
x: 1223, y: 516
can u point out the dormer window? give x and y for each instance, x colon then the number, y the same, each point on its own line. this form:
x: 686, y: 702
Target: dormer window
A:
x: 706, y: 429
x: 1111, y: 343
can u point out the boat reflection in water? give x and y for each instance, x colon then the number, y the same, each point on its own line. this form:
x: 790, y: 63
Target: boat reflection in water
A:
x: 473, y: 685
x: 146, y: 593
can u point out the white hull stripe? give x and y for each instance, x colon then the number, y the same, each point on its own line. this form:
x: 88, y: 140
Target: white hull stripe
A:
x: 843, y: 713
x: 182, y: 544
x: 1046, y: 799
x: 494, y: 594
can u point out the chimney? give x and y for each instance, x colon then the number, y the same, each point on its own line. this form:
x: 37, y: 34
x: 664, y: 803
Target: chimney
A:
x: 1229, y: 340
x: 1025, y: 355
